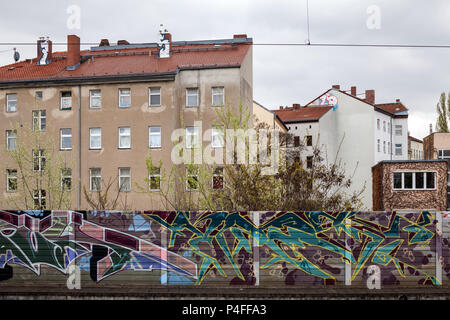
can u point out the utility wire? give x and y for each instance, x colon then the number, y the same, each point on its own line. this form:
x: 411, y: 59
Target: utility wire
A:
x: 376, y: 45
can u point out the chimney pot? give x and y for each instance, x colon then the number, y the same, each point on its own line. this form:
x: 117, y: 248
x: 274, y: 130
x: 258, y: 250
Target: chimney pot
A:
x: 397, y: 100
x: 236, y: 36
x: 281, y: 107
x: 73, y: 50
x: 122, y: 42
x: 104, y: 43
x: 296, y: 106
x: 336, y: 86
x: 353, y: 91
x: 370, y: 96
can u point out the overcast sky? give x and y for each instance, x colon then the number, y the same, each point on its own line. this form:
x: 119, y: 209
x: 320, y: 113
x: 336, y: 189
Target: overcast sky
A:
x: 283, y: 75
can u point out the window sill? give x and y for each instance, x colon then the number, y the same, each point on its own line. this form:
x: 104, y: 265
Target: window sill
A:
x: 124, y: 107
x: 127, y: 148
x: 154, y: 105
x: 155, y: 148
x: 93, y: 149
x: 65, y: 149
x: 65, y: 109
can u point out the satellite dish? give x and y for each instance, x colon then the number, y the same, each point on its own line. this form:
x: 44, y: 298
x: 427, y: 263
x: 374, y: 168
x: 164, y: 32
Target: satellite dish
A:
x: 16, y: 55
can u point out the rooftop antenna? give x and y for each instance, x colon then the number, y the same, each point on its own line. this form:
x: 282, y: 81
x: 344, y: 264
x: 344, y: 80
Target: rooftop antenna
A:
x: 16, y: 55
x: 308, y: 42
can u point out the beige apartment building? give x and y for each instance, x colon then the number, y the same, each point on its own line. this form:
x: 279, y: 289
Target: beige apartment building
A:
x: 109, y: 106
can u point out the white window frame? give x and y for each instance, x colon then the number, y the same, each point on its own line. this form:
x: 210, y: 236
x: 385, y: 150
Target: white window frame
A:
x: 384, y: 147
x: 150, y: 94
x: 378, y: 124
x: 10, y: 176
x: 92, y: 135
x: 95, y: 175
x: 64, y: 175
x: 217, y: 134
x: 122, y: 94
x: 196, y: 95
x: 93, y: 95
x: 39, y: 120
x: 11, y: 135
x: 158, y: 134
x: 192, y: 143
x: 122, y: 175
x: 124, y: 135
x: 215, y: 94
x: 398, y: 130
x: 401, y: 149
x: 384, y: 126
x: 378, y: 145
x: 41, y: 195
x: 414, y: 180
x: 154, y: 175
x: 11, y: 97
x: 63, y: 136
x: 63, y: 99
x: 40, y: 156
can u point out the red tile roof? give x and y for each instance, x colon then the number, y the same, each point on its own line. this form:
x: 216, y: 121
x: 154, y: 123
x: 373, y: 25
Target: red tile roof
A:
x: 302, y: 114
x: 394, y: 107
x: 414, y: 139
x: 122, y: 61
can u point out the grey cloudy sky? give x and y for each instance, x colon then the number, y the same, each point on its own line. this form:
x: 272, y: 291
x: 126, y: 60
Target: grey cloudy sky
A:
x: 282, y: 74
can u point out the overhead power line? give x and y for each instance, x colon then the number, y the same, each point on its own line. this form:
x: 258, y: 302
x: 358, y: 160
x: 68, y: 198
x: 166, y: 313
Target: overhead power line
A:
x: 376, y: 45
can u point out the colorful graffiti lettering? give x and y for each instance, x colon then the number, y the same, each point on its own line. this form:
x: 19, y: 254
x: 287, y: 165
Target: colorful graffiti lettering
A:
x: 239, y: 247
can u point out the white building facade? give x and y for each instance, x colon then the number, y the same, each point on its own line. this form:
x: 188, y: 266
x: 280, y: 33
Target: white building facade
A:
x: 355, y: 131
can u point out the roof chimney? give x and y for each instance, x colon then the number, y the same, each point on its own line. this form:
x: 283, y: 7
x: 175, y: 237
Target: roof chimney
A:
x: 397, y: 100
x: 370, y: 96
x: 281, y: 108
x: 236, y: 36
x: 296, y: 106
x: 104, y: 43
x: 336, y: 86
x: 353, y: 91
x: 73, y: 52
x: 164, y: 43
x: 44, y: 51
x: 431, y: 128
x: 122, y: 42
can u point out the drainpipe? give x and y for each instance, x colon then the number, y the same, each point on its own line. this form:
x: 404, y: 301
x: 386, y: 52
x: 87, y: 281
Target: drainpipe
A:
x: 392, y: 146
x: 79, y: 147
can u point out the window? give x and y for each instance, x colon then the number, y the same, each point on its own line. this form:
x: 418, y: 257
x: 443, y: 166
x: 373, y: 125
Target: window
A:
x: 11, y: 180
x: 217, y: 137
x: 11, y: 139
x: 39, y: 199
x: 38, y: 160
x: 39, y: 120
x: 11, y: 102
x: 309, y: 162
x: 124, y: 137
x: 66, y: 100
x: 384, y: 126
x: 38, y: 95
x: 124, y: 179
x: 398, y: 149
x: 154, y: 179
x: 309, y: 141
x: 378, y: 145
x: 192, y: 97
x: 95, y: 179
x: 378, y: 124
x: 154, y: 137
x: 66, y: 179
x: 389, y: 127
x: 389, y: 148
x: 398, y: 130
x: 154, y: 97
x: 218, y: 98
x: 414, y: 180
x: 296, y: 141
x: 124, y: 98
x: 191, y: 178
x: 384, y: 146
x: 217, y: 179
x: 95, y: 138
x: 191, y: 137
x: 66, y: 139
x: 95, y: 99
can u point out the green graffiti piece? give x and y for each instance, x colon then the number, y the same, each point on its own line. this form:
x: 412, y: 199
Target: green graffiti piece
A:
x: 371, y: 242
x: 419, y: 234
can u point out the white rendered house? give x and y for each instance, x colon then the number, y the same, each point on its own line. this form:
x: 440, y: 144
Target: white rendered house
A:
x: 356, y: 131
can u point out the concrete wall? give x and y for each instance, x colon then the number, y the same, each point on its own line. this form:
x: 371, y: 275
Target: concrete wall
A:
x: 79, y: 252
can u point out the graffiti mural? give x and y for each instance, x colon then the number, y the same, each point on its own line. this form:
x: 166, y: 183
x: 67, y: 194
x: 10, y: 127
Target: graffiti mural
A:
x: 372, y: 249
